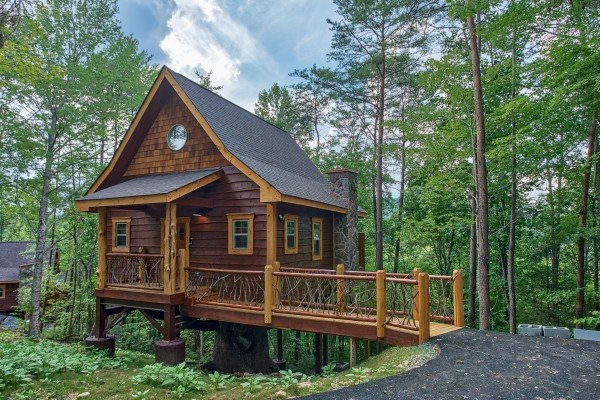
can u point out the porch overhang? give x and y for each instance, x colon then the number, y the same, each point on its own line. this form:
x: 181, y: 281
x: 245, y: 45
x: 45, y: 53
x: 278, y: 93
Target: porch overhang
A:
x: 149, y: 189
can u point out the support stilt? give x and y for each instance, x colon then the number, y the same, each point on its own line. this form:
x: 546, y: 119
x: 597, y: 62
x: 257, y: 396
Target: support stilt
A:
x: 279, y: 361
x: 99, y: 338
x: 353, y: 343
x: 318, y: 353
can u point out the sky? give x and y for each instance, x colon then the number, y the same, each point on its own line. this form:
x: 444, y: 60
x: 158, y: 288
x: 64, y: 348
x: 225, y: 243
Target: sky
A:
x: 247, y: 44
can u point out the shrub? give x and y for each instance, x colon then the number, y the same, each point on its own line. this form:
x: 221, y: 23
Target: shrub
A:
x: 23, y: 360
x: 178, y: 378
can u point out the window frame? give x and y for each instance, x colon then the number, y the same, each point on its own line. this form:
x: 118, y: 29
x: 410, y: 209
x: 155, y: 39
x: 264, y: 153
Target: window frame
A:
x: 127, y: 247
x: 3, y: 291
x: 315, y: 221
x: 286, y: 219
x: 231, y: 218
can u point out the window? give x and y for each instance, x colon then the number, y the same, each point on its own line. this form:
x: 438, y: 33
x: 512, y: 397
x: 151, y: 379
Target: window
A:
x: 290, y: 234
x: 317, y: 239
x: 240, y: 233
x: 2, y: 291
x: 121, y: 234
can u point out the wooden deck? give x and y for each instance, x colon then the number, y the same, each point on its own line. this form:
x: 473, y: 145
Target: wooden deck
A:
x: 397, y: 309
x: 438, y: 328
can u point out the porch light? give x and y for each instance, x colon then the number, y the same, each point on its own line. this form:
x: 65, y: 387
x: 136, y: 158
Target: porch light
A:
x: 198, y: 212
x: 280, y: 217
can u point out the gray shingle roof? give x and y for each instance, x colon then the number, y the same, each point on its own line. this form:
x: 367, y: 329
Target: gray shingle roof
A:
x: 267, y: 150
x: 151, y: 184
x: 11, y: 257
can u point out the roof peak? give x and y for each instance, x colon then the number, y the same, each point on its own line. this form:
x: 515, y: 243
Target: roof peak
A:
x: 225, y: 98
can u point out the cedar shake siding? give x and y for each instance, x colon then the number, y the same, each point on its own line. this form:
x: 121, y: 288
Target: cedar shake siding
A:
x: 304, y: 257
x: 233, y: 193
x: 154, y: 156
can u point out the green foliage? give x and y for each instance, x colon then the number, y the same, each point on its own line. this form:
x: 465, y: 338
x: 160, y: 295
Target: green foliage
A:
x: 218, y: 381
x: 590, y: 322
x: 179, y: 379
x: 358, y: 374
x: 23, y: 360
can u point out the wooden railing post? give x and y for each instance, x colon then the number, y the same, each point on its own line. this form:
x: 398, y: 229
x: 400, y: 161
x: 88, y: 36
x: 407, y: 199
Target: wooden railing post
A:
x: 268, y: 294
x: 457, y: 294
x: 276, y: 284
x: 423, y: 306
x: 415, y: 274
x: 341, y: 304
x: 102, y: 247
x: 181, y: 266
x: 381, y: 306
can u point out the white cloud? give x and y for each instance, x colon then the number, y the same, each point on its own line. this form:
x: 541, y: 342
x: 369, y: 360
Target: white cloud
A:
x: 202, y: 34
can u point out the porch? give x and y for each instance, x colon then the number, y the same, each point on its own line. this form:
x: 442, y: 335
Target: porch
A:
x: 397, y: 309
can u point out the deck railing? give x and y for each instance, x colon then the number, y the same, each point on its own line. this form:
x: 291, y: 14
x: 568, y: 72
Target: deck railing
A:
x: 144, y: 271
x: 223, y: 287
x: 401, y: 301
x: 134, y: 270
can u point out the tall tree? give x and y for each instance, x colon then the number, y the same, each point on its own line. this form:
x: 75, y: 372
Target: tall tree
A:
x: 55, y: 112
x: 481, y: 178
x: 279, y: 107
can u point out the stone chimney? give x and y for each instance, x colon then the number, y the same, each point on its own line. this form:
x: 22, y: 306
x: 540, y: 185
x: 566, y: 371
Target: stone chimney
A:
x: 343, y: 183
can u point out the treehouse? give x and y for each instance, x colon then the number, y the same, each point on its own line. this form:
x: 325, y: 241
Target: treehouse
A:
x: 207, y: 213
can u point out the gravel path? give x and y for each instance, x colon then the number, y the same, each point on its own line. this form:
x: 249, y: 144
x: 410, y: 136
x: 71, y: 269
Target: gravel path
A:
x: 478, y: 365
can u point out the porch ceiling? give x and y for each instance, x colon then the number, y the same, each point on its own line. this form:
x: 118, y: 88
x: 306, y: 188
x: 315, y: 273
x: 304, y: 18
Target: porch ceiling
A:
x: 149, y: 189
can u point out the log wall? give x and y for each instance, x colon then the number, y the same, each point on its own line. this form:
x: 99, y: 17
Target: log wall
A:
x: 9, y: 301
x: 304, y: 257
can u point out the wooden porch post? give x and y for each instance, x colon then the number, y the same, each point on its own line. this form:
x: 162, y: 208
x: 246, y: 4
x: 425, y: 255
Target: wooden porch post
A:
x: 268, y: 294
x: 102, y: 247
x: 340, y: 270
x: 457, y: 294
x: 415, y: 274
x: 271, y: 233
x: 170, y: 248
x: 423, y: 306
x: 381, y: 303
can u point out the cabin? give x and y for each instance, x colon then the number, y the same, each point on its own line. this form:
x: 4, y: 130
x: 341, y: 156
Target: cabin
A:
x: 206, y: 212
x: 13, y: 259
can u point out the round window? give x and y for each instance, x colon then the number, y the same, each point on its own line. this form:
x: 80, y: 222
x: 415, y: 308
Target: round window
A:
x: 176, y: 137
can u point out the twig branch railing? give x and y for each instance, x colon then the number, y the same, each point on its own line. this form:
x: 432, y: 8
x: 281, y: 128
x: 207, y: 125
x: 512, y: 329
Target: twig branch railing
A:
x: 379, y: 298
x: 134, y: 270
x: 224, y: 287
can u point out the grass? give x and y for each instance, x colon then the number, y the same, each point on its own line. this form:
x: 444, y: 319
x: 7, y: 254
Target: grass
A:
x: 50, y: 370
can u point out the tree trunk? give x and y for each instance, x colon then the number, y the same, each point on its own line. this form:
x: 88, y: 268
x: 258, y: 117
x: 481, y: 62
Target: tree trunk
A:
x: 400, y: 206
x: 473, y: 263
x: 512, y: 229
x: 579, y: 310
x: 241, y: 348
x: 482, y: 193
x: 35, y: 327
x: 379, y: 157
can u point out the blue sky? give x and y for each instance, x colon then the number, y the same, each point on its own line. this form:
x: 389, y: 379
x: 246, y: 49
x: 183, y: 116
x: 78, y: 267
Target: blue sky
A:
x: 248, y: 44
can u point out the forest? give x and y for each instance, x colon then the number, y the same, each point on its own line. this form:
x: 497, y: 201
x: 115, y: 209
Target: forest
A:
x: 472, y: 124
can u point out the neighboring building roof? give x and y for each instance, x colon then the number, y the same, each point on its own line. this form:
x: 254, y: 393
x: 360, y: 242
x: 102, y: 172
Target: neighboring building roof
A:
x: 270, y: 152
x: 149, y: 185
x: 12, y: 256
